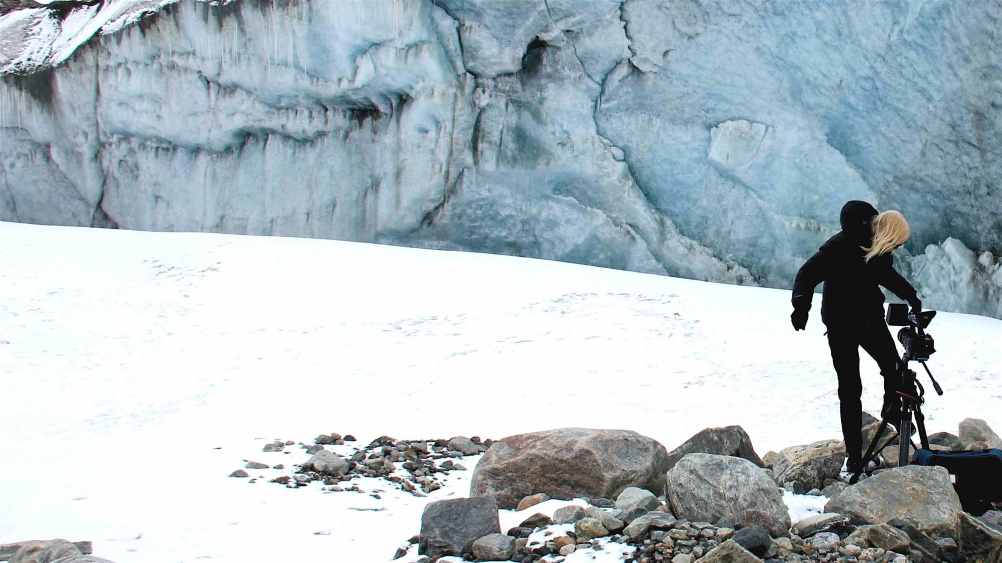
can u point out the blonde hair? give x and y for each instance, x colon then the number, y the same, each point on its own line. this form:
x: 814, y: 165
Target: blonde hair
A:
x: 890, y: 230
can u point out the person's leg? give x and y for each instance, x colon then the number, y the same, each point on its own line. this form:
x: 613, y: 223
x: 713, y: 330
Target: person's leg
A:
x: 845, y: 358
x: 876, y: 340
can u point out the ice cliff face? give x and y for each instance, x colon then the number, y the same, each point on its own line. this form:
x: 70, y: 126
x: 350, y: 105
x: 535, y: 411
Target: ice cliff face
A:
x: 710, y: 139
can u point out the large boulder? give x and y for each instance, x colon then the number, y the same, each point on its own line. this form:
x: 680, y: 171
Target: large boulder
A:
x: 810, y: 464
x: 569, y: 463
x: 974, y: 430
x: 44, y: 551
x: 729, y: 440
x: 922, y: 496
x: 449, y: 527
x: 714, y: 488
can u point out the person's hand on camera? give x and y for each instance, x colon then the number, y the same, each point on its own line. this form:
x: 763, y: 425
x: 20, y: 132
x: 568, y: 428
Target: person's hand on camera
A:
x: 916, y: 305
x: 799, y: 319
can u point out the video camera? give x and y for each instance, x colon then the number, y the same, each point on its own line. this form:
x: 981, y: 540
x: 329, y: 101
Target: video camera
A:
x: 918, y: 344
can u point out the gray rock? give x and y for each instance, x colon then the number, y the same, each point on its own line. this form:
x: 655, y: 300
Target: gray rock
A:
x: 494, y: 547
x: 239, y: 473
x: 810, y: 464
x: 825, y: 541
x: 634, y: 496
x: 632, y: 514
x: 81, y: 559
x: 888, y: 538
x: 323, y: 440
x: 834, y: 489
x: 817, y: 523
x: 449, y: 527
x: 588, y: 528
x: 754, y: 538
x: 609, y: 522
x: 256, y: 465
x: 977, y: 541
x: 683, y: 558
x: 730, y: 552
x: 946, y: 440
x: 992, y: 519
x: 921, y: 542
x: 569, y: 463
x: 643, y: 524
x: 568, y: 514
x: 463, y: 445
x: 711, y: 487
x: 327, y: 463
x: 922, y: 496
x: 729, y: 440
x: 974, y: 430
x: 44, y: 551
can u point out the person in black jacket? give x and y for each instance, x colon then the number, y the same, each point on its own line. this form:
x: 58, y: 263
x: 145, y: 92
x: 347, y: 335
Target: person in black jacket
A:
x: 852, y: 264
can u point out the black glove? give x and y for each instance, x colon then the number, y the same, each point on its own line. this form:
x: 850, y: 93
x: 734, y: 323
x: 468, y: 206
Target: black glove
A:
x: 799, y: 319
x: 916, y: 305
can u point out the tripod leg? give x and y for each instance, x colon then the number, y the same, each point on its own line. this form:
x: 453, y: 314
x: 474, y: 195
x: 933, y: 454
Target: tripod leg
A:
x: 905, y: 432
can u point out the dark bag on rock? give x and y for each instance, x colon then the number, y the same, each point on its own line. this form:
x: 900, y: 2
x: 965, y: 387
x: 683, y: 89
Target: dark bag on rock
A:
x: 976, y: 475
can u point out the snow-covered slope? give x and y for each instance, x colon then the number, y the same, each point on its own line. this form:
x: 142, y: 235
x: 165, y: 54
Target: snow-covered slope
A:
x: 138, y: 370
x: 714, y: 140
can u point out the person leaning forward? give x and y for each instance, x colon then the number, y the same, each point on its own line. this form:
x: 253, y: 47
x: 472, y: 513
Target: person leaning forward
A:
x: 853, y: 264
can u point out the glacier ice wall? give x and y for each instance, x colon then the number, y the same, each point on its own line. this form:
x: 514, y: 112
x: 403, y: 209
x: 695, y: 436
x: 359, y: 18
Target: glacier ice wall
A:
x: 711, y: 139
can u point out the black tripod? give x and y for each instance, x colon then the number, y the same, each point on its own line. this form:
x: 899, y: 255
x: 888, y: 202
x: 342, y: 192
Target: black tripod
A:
x: 912, y: 397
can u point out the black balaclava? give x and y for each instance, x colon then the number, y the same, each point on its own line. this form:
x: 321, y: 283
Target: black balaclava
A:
x: 855, y: 219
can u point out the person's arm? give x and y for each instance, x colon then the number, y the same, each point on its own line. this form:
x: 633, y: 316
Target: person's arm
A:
x: 888, y: 277
x: 813, y: 272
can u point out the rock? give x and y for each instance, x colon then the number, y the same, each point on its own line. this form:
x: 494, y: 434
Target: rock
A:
x: 888, y: 538
x: 730, y: 552
x: 871, y: 425
x: 44, y: 551
x: 769, y: 459
x: 256, y: 465
x: 327, y: 463
x: 992, y: 519
x: 239, y: 473
x: 825, y: 541
x: 683, y: 558
x: 817, y: 523
x: 810, y: 464
x: 449, y: 527
x: 463, y: 445
x: 755, y: 539
x: 569, y: 463
x: 587, y: 529
x: 323, y: 440
x: 537, y: 520
x: 531, y: 500
x: 81, y: 559
x: 568, y: 514
x: 920, y: 541
x: 711, y: 487
x: 632, y: 497
x: 946, y: 440
x: 494, y: 547
x: 609, y: 522
x: 973, y: 430
x: 834, y: 488
x: 977, y: 541
x: 922, y: 496
x: 643, y: 524
x: 632, y: 514
x: 730, y: 440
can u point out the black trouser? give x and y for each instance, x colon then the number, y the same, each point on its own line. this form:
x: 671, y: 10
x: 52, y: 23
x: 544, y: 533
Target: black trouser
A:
x: 845, y: 341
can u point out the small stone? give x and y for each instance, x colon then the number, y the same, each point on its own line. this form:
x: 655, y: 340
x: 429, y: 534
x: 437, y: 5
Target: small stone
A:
x: 537, y: 520
x: 532, y: 500
x: 256, y: 465
x: 239, y: 473
x: 589, y: 528
x: 825, y: 541
x: 323, y: 439
x: 279, y: 466
x: 568, y: 549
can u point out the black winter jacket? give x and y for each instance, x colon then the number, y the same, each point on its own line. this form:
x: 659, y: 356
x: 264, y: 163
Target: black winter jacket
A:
x: 851, y: 295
